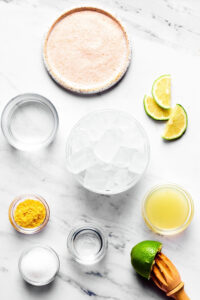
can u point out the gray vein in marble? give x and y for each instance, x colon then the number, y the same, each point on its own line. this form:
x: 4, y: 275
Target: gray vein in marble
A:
x: 92, y: 273
x: 3, y: 270
x: 86, y: 291
x: 105, y: 276
x: 9, y: 81
x: 183, y: 19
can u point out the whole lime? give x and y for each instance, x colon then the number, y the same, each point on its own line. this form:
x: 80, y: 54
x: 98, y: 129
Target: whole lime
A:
x: 143, y: 256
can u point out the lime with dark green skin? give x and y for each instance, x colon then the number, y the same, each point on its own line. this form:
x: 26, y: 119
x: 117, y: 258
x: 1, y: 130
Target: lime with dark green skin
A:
x: 143, y: 257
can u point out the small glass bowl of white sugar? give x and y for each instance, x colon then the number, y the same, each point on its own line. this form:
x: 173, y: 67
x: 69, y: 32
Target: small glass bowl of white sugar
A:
x: 39, y: 265
x: 107, y: 151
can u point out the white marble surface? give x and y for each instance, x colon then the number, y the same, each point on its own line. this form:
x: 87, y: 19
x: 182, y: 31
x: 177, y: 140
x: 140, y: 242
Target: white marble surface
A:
x: 166, y: 39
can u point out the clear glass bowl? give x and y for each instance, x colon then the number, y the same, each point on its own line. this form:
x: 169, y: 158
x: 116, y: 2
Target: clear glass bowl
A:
x: 28, y: 276
x: 14, y: 205
x: 166, y: 231
x: 29, y: 122
x: 107, y: 151
x: 87, y: 244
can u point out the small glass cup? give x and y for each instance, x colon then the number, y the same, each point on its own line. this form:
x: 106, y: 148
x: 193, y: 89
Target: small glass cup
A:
x: 87, y: 244
x: 33, y: 281
x: 179, y: 229
x: 29, y: 122
x: 14, y: 205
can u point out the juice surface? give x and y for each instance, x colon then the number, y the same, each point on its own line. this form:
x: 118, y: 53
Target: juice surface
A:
x: 167, y: 208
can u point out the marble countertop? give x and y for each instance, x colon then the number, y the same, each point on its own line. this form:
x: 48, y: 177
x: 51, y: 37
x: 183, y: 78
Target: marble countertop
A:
x: 166, y: 39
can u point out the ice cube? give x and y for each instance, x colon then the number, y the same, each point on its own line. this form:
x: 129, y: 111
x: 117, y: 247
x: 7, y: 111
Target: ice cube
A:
x: 102, y: 123
x: 133, y: 139
x: 81, y: 160
x: 97, y: 177
x: 94, y: 132
x: 80, y: 140
x: 121, y: 179
x: 108, y: 145
x: 123, y: 157
x: 139, y: 162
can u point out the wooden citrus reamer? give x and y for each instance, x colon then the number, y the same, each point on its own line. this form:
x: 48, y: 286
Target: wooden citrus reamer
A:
x: 165, y: 275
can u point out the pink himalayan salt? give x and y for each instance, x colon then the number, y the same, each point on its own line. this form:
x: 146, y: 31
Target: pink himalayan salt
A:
x: 87, y: 49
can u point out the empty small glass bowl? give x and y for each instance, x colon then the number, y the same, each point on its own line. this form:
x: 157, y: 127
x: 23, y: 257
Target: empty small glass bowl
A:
x: 87, y: 244
x: 107, y: 151
x: 29, y: 122
x: 14, y: 205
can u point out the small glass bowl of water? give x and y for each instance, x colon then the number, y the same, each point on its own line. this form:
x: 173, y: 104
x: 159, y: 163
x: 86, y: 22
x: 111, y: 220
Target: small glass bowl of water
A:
x: 87, y: 244
x: 107, y: 151
x: 29, y: 122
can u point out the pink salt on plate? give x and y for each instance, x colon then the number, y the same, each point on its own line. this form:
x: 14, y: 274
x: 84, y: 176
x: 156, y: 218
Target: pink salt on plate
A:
x: 87, y: 50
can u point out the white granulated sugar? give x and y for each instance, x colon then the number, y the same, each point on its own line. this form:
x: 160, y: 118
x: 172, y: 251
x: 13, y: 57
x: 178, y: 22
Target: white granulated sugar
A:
x: 39, y: 265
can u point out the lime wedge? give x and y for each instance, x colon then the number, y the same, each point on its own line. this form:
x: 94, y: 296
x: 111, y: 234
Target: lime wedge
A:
x: 177, y: 123
x: 143, y: 256
x: 161, y: 91
x: 154, y: 111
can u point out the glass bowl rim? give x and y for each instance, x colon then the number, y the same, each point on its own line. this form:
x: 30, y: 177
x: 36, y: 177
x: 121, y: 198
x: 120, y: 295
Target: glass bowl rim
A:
x: 27, y: 250
x: 141, y: 130
x: 22, y: 198
x: 25, y: 98
x: 168, y: 232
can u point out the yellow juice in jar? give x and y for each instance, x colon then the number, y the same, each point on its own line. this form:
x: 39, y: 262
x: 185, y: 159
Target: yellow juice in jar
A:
x: 168, y: 209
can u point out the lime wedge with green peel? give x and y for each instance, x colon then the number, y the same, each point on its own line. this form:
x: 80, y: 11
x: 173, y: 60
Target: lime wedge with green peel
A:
x: 154, y: 111
x: 161, y: 91
x: 177, y: 123
x: 143, y: 256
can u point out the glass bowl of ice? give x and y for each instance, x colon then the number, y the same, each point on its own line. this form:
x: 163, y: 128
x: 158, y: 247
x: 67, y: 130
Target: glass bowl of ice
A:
x: 107, y: 151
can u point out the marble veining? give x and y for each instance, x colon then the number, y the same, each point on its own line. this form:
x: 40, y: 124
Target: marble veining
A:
x: 165, y: 35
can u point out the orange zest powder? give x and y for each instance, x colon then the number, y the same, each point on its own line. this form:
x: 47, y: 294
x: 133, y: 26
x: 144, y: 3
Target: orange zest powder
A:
x: 30, y: 213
